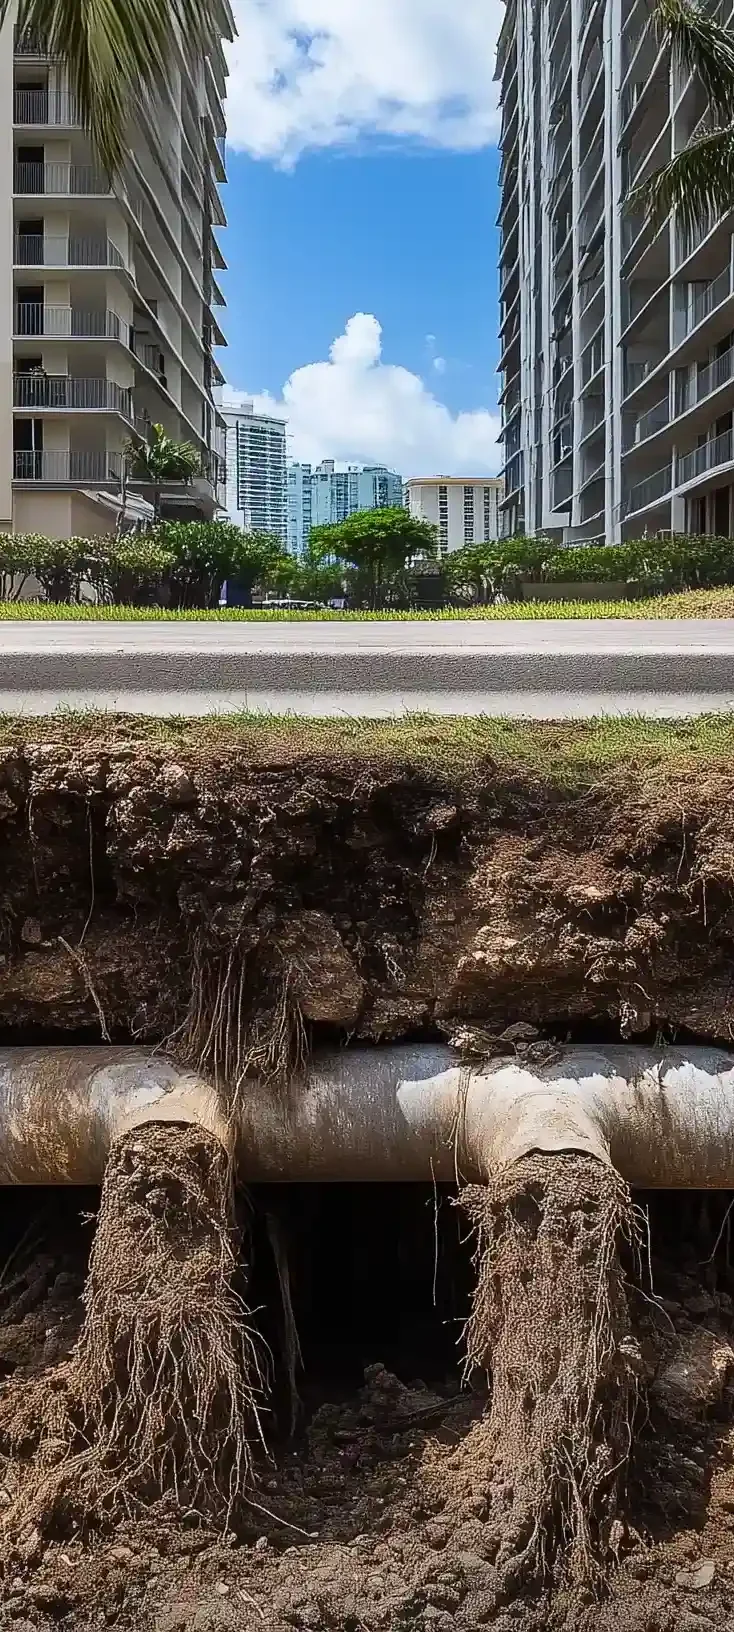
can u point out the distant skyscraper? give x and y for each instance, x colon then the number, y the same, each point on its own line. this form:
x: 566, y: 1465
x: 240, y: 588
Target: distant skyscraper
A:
x: 318, y: 497
x: 257, y: 486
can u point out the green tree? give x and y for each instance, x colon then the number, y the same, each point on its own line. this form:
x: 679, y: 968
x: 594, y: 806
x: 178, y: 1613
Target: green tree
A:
x: 206, y: 552
x: 160, y: 459
x: 699, y: 180
x: 118, y: 53
x: 377, y: 545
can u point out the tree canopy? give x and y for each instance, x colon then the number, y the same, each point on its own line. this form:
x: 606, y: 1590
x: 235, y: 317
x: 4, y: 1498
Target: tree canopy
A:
x: 376, y: 545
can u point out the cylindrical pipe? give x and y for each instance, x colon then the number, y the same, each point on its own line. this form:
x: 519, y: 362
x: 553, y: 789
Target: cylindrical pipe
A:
x: 661, y: 1117
x: 61, y: 1108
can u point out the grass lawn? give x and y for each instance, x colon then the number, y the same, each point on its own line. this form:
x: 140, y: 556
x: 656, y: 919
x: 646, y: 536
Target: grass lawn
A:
x: 574, y: 752
x: 692, y: 603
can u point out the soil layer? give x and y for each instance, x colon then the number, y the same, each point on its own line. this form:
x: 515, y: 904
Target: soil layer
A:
x: 377, y: 897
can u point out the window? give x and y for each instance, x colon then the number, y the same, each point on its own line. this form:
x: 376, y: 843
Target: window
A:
x: 443, y: 518
x: 487, y: 514
x: 468, y: 515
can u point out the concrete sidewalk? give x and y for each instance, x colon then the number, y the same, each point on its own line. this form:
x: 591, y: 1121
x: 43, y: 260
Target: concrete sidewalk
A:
x: 542, y: 669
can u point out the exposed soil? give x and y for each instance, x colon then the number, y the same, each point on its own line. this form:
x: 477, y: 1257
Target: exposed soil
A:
x: 380, y: 1514
x: 144, y: 887
x: 375, y: 898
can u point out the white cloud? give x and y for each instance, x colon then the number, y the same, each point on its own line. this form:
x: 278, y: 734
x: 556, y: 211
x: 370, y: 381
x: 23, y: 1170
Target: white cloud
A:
x: 357, y: 409
x: 311, y: 74
x: 439, y: 364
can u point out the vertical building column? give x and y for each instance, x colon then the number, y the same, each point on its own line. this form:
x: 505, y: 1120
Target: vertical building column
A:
x: 614, y: 209
x: 6, y: 274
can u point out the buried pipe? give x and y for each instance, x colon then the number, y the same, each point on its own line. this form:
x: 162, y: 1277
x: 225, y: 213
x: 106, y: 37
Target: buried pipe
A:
x: 164, y: 1380
x: 661, y: 1118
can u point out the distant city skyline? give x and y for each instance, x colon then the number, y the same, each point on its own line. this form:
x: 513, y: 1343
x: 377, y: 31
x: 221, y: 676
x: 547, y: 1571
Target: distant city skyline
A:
x: 323, y: 494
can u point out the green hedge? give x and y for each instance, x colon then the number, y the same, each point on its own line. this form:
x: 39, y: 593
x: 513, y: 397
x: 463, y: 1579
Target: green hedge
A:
x: 180, y: 565
x: 650, y: 565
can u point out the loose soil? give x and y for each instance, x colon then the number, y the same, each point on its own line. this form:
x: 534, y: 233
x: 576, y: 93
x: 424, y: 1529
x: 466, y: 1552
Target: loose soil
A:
x: 380, y: 1513
x: 372, y: 895
x: 363, y: 895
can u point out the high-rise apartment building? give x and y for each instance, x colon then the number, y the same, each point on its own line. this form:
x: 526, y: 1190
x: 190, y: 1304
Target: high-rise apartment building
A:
x: 617, y: 331
x: 463, y: 510
x: 107, y: 316
x: 257, y: 480
x: 320, y: 495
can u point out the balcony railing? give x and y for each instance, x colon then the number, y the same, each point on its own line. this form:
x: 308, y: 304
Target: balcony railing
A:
x: 59, y: 179
x: 655, y: 419
x: 66, y: 323
x: 514, y: 477
x: 31, y: 249
x: 77, y: 467
x: 707, y: 299
x: 592, y: 358
x: 65, y: 392
x: 718, y: 451
x: 28, y: 44
x: 588, y: 81
x: 635, y: 373
x: 648, y: 492
x: 44, y: 107
x: 706, y: 381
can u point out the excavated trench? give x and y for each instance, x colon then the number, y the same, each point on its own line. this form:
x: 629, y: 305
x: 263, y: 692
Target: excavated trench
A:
x: 240, y: 914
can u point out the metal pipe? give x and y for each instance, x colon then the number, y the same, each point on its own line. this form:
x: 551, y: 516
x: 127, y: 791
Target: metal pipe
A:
x: 661, y: 1117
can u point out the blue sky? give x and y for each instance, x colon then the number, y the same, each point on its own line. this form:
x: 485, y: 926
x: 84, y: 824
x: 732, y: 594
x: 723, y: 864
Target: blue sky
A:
x: 362, y: 249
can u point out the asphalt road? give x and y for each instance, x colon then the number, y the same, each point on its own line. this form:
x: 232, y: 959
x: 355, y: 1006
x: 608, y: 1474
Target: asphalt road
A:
x: 543, y: 669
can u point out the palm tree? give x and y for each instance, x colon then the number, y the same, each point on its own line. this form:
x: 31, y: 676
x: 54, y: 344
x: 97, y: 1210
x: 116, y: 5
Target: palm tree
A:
x: 117, y: 51
x: 160, y: 459
x: 698, y: 183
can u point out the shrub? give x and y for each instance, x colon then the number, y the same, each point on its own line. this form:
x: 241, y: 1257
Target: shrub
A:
x: 131, y: 570
x: 205, y: 553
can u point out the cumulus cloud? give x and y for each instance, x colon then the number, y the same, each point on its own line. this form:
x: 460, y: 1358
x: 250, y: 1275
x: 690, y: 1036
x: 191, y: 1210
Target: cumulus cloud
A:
x: 309, y: 74
x: 357, y: 409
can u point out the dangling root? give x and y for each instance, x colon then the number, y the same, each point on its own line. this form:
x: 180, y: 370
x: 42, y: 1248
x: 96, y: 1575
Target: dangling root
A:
x: 242, y: 1022
x: 160, y: 1397
x: 550, y: 1321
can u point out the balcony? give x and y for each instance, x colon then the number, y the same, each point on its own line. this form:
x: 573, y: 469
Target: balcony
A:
x: 513, y: 473
x: 66, y: 323
x: 77, y: 468
x: 635, y: 373
x: 649, y: 423
x: 643, y: 494
x: 64, y: 393
x: 59, y: 180
x: 45, y: 107
x: 33, y: 249
x: 718, y: 451
x: 592, y: 357
x: 30, y: 45
x: 705, y: 301
x: 706, y: 382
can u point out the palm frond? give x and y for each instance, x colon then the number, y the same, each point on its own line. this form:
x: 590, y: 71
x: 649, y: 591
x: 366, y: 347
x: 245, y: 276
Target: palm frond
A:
x: 698, y: 183
x: 699, y: 45
x: 116, y: 52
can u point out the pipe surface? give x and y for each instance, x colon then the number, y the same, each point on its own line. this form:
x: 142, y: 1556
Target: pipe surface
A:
x: 663, y: 1118
x: 61, y: 1108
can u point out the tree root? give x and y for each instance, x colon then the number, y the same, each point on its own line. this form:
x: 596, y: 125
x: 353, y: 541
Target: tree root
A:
x: 550, y: 1321
x: 160, y: 1396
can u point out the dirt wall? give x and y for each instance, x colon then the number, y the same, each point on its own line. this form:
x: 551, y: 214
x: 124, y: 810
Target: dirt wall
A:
x: 380, y: 897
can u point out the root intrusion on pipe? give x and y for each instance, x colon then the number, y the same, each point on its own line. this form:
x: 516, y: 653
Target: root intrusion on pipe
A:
x: 550, y: 1323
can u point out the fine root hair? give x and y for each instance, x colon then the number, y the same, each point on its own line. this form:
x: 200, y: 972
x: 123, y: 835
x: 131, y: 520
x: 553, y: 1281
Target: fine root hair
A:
x: 241, y: 1022
x: 550, y: 1323
x: 160, y: 1398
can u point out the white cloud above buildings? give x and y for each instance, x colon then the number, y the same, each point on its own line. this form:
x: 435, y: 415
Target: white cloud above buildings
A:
x: 314, y: 74
x: 357, y: 409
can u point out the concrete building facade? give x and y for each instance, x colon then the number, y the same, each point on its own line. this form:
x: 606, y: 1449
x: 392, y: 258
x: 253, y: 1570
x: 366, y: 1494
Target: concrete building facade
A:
x: 107, y: 294
x: 617, y: 332
x: 257, y: 480
x: 321, y: 495
x: 464, y: 510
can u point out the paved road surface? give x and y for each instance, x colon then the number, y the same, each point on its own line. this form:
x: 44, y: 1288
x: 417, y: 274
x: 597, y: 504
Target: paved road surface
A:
x: 545, y: 669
